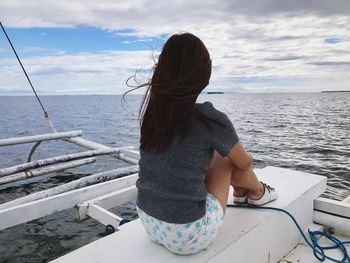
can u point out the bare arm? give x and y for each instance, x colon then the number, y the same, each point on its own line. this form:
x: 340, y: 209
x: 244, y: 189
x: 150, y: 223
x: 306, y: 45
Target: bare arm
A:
x: 240, y: 157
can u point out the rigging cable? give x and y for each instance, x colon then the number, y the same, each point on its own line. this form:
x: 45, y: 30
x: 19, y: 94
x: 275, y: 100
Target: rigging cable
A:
x: 30, y: 83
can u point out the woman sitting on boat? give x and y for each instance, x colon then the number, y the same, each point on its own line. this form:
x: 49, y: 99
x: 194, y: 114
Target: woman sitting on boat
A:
x: 190, y: 154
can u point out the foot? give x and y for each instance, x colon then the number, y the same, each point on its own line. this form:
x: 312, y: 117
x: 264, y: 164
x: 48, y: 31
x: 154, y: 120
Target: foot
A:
x: 257, y: 193
x: 268, y: 195
x: 240, y: 195
x: 240, y: 191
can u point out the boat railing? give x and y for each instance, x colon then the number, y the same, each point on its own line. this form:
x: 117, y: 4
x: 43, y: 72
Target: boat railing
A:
x: 92, y: 194
x: 58, y: 163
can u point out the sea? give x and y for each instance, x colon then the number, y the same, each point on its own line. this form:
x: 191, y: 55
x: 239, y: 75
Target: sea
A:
x: 308, y: 132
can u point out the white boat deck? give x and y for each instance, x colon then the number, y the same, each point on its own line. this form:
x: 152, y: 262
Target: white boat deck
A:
x: 247, y: 235
x: 303, y: 253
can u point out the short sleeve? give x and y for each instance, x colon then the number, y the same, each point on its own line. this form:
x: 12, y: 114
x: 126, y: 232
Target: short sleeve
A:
x: 223, y: 138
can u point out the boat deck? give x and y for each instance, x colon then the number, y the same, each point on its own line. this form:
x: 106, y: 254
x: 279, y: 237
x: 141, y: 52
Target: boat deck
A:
x: 247, y: 235
x: 303, y: 253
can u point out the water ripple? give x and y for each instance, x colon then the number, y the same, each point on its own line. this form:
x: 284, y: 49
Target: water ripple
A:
x: 306, y: 132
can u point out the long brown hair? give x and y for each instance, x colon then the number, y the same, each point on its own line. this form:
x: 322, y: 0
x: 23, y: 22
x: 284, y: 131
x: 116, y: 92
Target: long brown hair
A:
x: 168, y: 106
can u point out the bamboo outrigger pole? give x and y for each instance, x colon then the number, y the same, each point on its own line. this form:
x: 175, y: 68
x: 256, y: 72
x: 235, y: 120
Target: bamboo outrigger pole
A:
x: 55, y: 160
x: 76, y: 184
x: 45, y: 170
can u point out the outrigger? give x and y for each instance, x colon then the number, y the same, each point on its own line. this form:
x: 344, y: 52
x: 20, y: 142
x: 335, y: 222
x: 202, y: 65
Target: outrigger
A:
x: 271, y: 235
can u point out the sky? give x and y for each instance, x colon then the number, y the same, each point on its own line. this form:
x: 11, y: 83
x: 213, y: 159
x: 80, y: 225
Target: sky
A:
x: 92, y: 47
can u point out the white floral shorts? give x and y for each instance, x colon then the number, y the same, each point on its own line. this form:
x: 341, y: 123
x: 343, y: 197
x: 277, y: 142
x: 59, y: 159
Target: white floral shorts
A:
x: 189, y: 238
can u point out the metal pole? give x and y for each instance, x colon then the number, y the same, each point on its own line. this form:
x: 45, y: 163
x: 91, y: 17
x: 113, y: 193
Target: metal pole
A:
x: 37, y: 138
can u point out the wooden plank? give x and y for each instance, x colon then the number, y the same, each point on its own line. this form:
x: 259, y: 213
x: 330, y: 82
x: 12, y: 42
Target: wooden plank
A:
x: 37, y: 138
x: 44, y: 170
x: 338, y: 224
x: 29, y: 211
x: 115, y: 198
x: 103, y: 216
x: 332, y: 206
x: 55, y: 160
x: 82, y: 182
x: 108, y: 200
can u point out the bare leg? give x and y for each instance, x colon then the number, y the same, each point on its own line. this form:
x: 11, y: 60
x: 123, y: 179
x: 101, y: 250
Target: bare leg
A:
x: 238, y: 191
x: 218, y: 178
x: 244, y: 181
x: 221, y: 173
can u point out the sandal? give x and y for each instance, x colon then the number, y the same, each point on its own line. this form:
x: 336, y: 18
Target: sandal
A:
x: 269, y: 195
x: 240, y: 200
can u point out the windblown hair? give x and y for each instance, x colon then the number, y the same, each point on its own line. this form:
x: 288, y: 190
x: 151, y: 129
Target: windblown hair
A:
x: 168, y: 107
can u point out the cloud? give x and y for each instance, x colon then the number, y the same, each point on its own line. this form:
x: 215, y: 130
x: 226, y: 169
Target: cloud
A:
x: 295, y: 7
x: 136, y: 41
x: 87, y: 73
x: 285, y: 58
x: 43, y: 50
x: 249, y: 41
x: 142, y: 13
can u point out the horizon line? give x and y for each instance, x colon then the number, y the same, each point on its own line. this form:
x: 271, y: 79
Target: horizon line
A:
x: 120, y: 94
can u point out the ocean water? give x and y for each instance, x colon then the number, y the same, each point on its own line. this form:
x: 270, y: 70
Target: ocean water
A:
x: 306, y: 131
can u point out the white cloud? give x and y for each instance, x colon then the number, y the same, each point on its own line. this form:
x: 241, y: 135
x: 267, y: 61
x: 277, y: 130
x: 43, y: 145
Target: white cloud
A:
x: 43, y: 50
x: 255, y: 45
x: 103, y: 73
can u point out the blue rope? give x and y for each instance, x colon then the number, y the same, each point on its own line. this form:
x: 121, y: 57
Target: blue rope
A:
x: 124, y: 221
x: 318, y: 250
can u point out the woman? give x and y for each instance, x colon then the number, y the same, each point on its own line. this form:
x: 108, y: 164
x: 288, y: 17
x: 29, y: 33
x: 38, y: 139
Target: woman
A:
x: 190, y: 154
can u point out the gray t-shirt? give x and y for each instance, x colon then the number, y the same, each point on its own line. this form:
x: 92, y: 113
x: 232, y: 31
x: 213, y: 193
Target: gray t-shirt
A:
x: 171, y: 184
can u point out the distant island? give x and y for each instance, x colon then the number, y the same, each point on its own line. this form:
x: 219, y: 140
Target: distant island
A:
x: 215, y: 92
x: 325, y: 91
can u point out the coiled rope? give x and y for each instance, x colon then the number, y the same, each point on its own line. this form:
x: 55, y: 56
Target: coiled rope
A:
x: 46, y: 115
x: 318, y: 250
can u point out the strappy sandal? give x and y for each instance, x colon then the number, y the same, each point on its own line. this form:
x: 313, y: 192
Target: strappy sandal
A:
x: 240, y: 200
x: 269, y: 195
